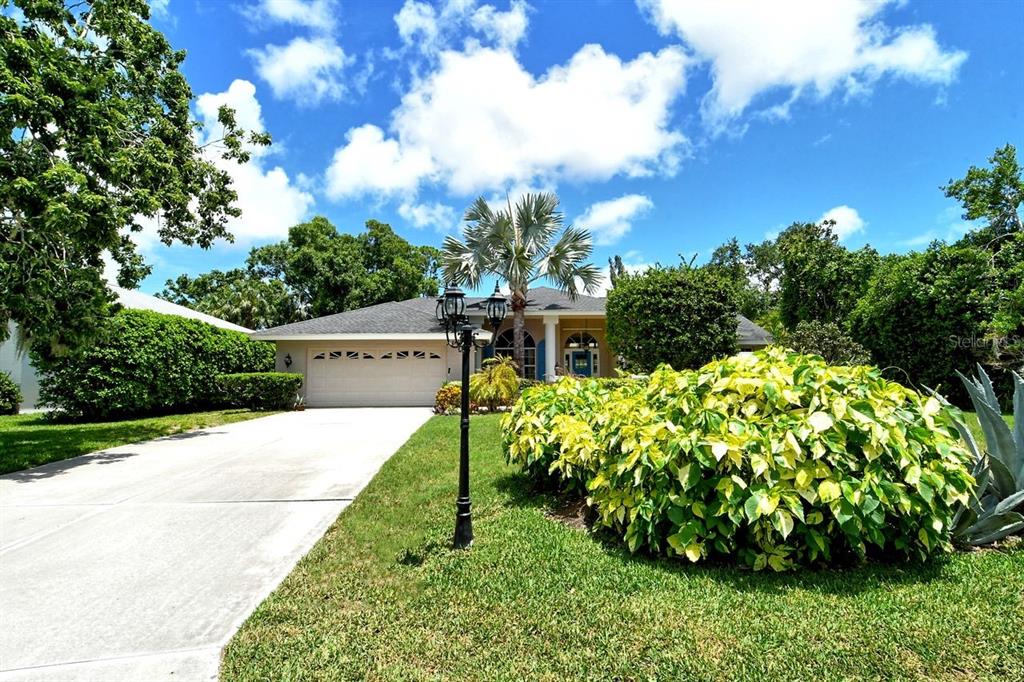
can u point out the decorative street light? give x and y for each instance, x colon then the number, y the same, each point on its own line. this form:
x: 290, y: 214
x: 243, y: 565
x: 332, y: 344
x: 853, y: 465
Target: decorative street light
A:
x: 461, y: 335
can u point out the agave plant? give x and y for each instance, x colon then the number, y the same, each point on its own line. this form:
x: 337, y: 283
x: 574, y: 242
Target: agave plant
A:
x: 997, y: 507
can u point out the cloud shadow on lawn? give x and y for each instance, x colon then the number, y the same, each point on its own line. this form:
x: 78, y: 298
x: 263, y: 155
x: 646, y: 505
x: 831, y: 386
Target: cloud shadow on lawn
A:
x: 876, y: 574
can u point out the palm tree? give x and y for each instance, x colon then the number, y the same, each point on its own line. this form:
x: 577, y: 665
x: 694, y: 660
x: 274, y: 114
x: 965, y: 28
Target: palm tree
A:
x: 520, y: 247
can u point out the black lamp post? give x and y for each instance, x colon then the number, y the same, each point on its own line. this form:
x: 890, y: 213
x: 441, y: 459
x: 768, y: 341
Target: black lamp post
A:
x: 461, y: 335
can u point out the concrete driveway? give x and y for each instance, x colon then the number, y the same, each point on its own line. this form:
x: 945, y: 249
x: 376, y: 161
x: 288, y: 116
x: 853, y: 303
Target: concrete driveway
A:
x: 140, y: 562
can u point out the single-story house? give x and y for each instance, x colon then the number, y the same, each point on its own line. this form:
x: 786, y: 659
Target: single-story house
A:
x: 15, y: 361
x: 396, y: 354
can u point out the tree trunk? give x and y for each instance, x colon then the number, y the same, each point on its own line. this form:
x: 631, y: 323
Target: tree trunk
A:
x: 518, y: 331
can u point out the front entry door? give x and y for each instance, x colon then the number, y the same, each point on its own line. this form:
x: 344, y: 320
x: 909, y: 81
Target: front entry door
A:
x: 581, y: 365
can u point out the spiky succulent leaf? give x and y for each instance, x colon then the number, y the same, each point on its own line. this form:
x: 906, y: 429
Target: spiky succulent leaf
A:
x: 998, y: 439
x: 994, y: 527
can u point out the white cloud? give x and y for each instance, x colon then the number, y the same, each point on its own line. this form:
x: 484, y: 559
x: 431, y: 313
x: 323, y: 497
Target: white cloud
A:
x: 950, y: 227
x: 431, y: 28
x: 160, y: 8
x: 417, y: 21
x: 848, y: 221
x: 442, y: 218
x: 608, y: 221
x: 240, y: 96
x: 270, y: 201
x: 481, y: 121
x: 792, y: 46
x: 506, y: 29
x: 318, y: 15
x: 371, y: 164
x: 308, y: 70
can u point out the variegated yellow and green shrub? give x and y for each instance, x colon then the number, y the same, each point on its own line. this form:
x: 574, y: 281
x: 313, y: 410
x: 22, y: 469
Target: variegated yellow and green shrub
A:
x: 775, y: 458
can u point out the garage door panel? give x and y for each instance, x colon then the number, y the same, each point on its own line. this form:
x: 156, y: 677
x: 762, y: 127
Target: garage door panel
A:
x: 350, y: 376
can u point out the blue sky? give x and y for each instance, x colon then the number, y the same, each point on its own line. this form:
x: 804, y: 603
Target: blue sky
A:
x: 665, y: 126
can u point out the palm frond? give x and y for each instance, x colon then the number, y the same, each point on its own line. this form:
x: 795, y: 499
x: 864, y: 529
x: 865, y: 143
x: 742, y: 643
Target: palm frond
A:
x: 461, y: 263
x: 565, y: 264
x: 537, y: 219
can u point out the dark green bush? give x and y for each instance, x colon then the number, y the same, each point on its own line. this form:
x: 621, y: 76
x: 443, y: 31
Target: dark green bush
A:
x: 680, y: 316
x: 826, y: 339
x: 261, y: 390
x: 925, y: 314
x: 147, y: 363
x: 10, y: 395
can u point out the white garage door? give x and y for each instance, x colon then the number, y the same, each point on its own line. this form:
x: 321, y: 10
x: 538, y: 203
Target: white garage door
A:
x: 363, y: 375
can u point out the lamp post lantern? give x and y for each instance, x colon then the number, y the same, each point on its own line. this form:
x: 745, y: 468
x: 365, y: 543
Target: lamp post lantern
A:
x: 461, y: 335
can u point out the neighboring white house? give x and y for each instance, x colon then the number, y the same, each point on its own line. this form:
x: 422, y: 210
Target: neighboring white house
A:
x: 395, y: 353
x: 16, y: 363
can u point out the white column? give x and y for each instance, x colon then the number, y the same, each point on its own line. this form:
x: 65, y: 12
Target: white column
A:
x: 550, y: 347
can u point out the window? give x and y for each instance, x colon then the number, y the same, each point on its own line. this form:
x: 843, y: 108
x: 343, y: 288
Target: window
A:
x: 504, y: 347
x: 386, y: 356
x: 367, y: 356
x: 419, y: 354
x: 577, y: 346
x: 581, y: 340
x: 335, y: 355
x: 352, y: 355
x: 319, y: 356
x: 402, y: 354
x: 435, y: 356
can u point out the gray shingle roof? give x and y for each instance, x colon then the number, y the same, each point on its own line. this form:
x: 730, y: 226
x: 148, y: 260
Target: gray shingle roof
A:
x: 416, y: 316
x: 751, y: 335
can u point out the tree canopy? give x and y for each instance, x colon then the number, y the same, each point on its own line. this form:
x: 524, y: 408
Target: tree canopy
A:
x: 96, y: 137
x: 316, y: 271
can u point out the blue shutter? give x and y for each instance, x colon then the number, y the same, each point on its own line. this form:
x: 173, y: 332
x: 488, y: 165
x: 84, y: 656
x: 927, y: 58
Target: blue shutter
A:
x: 488, y: 352
x: 540, y: 360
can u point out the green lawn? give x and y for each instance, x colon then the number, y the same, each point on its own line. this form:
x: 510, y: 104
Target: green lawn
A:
x: 28, y: 440
x: 382, y: 597
x: 974, y: 425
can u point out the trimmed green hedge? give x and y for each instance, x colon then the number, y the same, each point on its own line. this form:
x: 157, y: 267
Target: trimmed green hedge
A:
x: 680, y: 316
x: 775, y: 459
x: 144, y: 363
x: 10, y: 395
x: 261, y: 390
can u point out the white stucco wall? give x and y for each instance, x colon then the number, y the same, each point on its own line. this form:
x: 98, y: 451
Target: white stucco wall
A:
x: 17, y: 365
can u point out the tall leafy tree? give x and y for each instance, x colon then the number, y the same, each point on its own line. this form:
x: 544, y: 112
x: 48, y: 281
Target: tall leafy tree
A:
x: 236, y: 296
x: 924, y: 315
x: 521, y: 245
x: 317, y: 271
x: 95, y: 135
x: 821, y: 280
x: 616, y: 269
x: 730, y: 261
x: 993, y: 194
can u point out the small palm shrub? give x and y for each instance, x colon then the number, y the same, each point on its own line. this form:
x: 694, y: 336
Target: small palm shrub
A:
x: 776, y: 459
x: 996, y: 507
x: 495, y: 385
x: 448, y: 399
x: 10, y: 395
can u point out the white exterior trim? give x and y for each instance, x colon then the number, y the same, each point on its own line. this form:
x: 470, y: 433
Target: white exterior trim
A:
x: 439, y: 336
x: 564, y: 313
